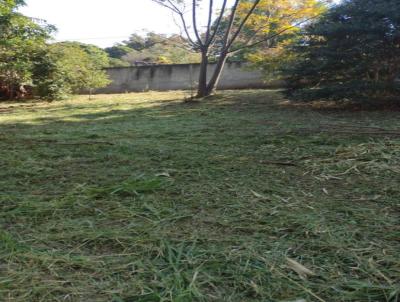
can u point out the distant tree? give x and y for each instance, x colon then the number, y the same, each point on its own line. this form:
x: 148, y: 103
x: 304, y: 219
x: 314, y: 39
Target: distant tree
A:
x: 136, y: 42
x: 151, y: 48
x: 352, y: 52
x: 139, y: 42
x: 162, y: 49
x: 118, y: 51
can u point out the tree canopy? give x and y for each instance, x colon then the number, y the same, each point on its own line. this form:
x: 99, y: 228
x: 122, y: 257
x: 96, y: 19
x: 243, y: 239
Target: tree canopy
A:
x: 71, y: 67
x: 22, y: 41
x: 152, y: 48
x: 273, y: 23
x: 353, y: 52
x: 30, y: 66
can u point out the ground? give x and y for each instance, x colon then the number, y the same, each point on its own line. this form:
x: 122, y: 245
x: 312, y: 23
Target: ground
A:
x: 240, y: 197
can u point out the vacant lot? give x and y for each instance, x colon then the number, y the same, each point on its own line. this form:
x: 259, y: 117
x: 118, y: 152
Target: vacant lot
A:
x: 141, y: 197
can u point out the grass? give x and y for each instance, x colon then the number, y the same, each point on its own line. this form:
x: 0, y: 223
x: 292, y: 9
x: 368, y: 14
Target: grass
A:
x: 141, y: 197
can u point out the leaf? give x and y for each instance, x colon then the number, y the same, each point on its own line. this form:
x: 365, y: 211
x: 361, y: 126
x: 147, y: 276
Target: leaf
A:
x: 300, y: 269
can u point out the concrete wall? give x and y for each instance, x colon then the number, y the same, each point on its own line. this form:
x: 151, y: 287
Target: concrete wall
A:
x: 180, y: 77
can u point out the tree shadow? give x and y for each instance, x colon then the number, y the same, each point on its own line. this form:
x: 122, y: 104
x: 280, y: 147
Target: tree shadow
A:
x: 72, y: 147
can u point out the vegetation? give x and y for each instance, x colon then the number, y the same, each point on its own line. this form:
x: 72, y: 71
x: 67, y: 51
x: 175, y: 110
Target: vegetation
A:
x: 80, y: 65
x: 22, y: 43
x: 29, y: 66
x: 267, y: 20
x: 272, y: 26
x: 152, y: 49
x: 223, y: 31
x: 349, y: 51
x: 140, y: 197
x: 244, y: 196
x: 352, y: 52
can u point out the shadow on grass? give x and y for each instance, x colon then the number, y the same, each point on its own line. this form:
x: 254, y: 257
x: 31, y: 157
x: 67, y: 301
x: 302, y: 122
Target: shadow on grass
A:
x: 171, y: 201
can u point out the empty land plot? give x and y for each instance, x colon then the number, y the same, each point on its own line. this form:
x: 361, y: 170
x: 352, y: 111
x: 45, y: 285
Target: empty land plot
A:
x: 141, y: 197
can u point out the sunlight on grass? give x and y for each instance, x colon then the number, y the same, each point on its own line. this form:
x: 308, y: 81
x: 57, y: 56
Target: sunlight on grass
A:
x: 143, y: 197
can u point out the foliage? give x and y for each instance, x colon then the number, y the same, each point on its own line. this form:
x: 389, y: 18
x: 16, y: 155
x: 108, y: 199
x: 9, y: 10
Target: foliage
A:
x: 113, y: 62
x: 49, y: 78
x: 352, y: 52
x: 118, y: 51
x: 152, y: 48
x: 7, y: 7
x: 71, y: 67
x: 276, y: 23
x: 27, y: 62
x: 22, y: 41
x: 138, y: 197
x: 274, y: 61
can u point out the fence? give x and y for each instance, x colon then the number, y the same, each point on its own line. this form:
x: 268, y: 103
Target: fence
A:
x: 181, y: 77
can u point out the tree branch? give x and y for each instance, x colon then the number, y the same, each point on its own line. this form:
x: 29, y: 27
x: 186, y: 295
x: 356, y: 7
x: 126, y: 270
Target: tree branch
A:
x: 274, y: 35
x: 242, y: 24
x: 196, y: 31
x: 267, y: 24
x: 186, y: 29
x: 230, y: 26
x: 211, y: 6
x: 171, y: 6
x: 220, y: 17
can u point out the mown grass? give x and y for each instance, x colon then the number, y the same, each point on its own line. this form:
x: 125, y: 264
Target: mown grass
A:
x: 141, y: 197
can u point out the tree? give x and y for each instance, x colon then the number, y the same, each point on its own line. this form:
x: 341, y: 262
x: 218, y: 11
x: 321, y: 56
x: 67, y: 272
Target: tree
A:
x: 203, y: 42
x: 22, y: 41
x: 223, y: 31
x: 69, y: 67
x: 352, y: 52
x: 80, y: 65
x: 152, y: 48
x: 118, y: 51
x: 28, y: 62
x: 274, y: 23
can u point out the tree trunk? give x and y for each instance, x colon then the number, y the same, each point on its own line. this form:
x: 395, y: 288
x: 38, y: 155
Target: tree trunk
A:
x: 212, y: 85
x: 11, y: 91
x: 202, y: 88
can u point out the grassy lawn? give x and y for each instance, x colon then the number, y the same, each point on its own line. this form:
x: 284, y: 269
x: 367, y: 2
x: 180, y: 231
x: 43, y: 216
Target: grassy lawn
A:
x: 140, y: 197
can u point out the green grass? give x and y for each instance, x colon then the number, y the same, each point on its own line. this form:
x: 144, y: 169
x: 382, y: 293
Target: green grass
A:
x: 141, y: 197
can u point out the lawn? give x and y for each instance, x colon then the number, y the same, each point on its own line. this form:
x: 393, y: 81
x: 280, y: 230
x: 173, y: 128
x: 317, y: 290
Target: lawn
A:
x: 241, y: 197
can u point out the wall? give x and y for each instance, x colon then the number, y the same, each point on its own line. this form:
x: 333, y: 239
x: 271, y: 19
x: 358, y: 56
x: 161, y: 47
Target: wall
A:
x: 180, y: 77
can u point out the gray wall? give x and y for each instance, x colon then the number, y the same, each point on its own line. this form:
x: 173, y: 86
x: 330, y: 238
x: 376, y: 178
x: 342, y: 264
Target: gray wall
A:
x: 180, y: 77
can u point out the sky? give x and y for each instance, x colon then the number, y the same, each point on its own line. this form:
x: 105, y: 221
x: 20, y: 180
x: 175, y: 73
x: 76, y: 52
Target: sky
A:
x: 101, y: 22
